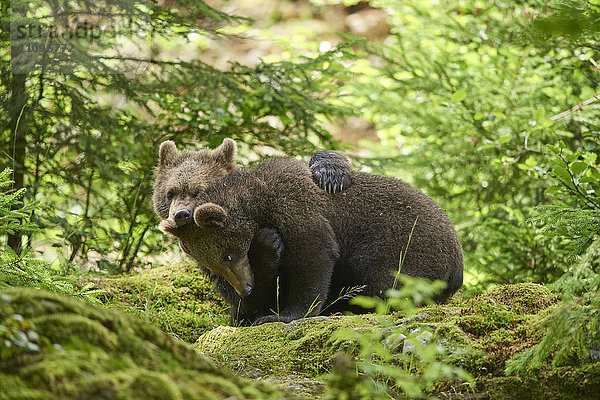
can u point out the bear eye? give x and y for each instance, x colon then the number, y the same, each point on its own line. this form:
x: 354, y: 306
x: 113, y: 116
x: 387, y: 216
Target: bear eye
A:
x: 227, y: 259
x: 170, y: 195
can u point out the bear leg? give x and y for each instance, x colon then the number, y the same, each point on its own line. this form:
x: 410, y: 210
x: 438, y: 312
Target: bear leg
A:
x: 306, y: 269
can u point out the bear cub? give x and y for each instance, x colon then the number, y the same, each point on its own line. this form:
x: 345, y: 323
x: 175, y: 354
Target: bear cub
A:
x: 181, y: 176
x: 235, y: 210
x: 354, y: 237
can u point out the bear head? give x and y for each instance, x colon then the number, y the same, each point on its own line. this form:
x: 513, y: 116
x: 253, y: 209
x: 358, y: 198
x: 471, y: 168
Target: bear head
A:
x: 219, y: 241
x: 182, y: 175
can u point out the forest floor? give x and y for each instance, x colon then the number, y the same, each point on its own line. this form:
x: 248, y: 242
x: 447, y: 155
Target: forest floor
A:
x: 479, y: 334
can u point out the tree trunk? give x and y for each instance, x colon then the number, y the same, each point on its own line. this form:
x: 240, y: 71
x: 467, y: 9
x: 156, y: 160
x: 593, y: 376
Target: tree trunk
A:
x: 18, y: 140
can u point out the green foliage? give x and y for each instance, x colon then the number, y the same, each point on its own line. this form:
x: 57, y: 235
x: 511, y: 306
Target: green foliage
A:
x: 572, y: 335
x: 25, y: 270
x: 572, y: 331
x: 12, y: 210
x: 564, y: 22
x: 576, y: 216
x: 407, y: 363
x: 463, y: 109
x: 87, y: 140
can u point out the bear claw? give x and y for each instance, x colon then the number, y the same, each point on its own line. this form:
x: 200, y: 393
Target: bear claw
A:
x: 331, y: 171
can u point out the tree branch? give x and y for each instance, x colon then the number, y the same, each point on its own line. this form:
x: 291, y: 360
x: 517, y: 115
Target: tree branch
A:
x: 581, y: 104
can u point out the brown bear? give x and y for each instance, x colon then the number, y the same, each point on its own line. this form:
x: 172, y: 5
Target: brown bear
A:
x: 249, y: 203
x: 264, y: 257
x: 181, y: 176
x: 360, y: 234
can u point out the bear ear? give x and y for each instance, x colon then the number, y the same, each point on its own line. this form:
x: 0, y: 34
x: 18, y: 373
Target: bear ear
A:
x: 225, y: 154
x: 167, y: 153
x: 210, y: 215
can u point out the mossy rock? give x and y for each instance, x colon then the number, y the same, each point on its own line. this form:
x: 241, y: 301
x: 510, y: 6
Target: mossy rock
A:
x: 305, y: 347
x: 524, y: 298
x: 57, y: 347
x: 480, y: 335
x: 179, y: 299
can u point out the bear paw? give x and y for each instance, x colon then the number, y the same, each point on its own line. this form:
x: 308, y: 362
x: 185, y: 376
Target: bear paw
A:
x: 268, y: 241
x: 331, y: 171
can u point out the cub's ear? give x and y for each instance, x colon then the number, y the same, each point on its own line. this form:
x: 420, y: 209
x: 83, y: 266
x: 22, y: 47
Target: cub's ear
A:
x: 167, y: 153
x: 225, y: 154
x: 210, y: 215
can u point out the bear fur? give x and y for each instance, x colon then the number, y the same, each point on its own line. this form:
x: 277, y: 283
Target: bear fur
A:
x: 232, y: 211
x: 181, y: 176
x: 264, y: 257
x: 360, y: 234
x: 379, y: 219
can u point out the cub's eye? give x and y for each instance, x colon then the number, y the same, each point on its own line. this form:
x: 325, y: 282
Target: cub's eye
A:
x: 227, y: 259
x: 170, y: 195
x: 196, y: 193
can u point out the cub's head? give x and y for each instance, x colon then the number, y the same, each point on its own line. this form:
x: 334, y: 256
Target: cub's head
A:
x: 219, y: 241
x: 182, y: 175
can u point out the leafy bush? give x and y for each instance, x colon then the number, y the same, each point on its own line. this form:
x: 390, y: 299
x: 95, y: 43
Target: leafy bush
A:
x: 573, y: 330
x: 463, y: 109
x: 573, y: 219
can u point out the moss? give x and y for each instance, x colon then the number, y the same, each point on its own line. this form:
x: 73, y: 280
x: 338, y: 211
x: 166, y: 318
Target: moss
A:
x: 95, y: 353
x: 62, y: 326
x: 503, y: 307
x: 504, y: 321
x: 565, y: 383
x: 479, y: 335
x: 524, y: 298
x: 178, y: 299
x: 305, y: 347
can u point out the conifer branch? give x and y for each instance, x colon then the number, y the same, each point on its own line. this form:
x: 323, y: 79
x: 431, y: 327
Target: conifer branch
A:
x: 14, y: 262
x: 580, y: 105
x: 575, y: 189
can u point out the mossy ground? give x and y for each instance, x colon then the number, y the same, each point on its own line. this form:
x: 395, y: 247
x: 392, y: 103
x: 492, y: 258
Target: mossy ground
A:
x: 57, y: 347
x: 178, y: 299
x: 481, y: 333
x: 304, y: 347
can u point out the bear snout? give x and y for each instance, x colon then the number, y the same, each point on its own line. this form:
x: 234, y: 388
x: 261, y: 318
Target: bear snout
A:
x: 182, y: 217
x: 168, y: 226
x: 246, y: 292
